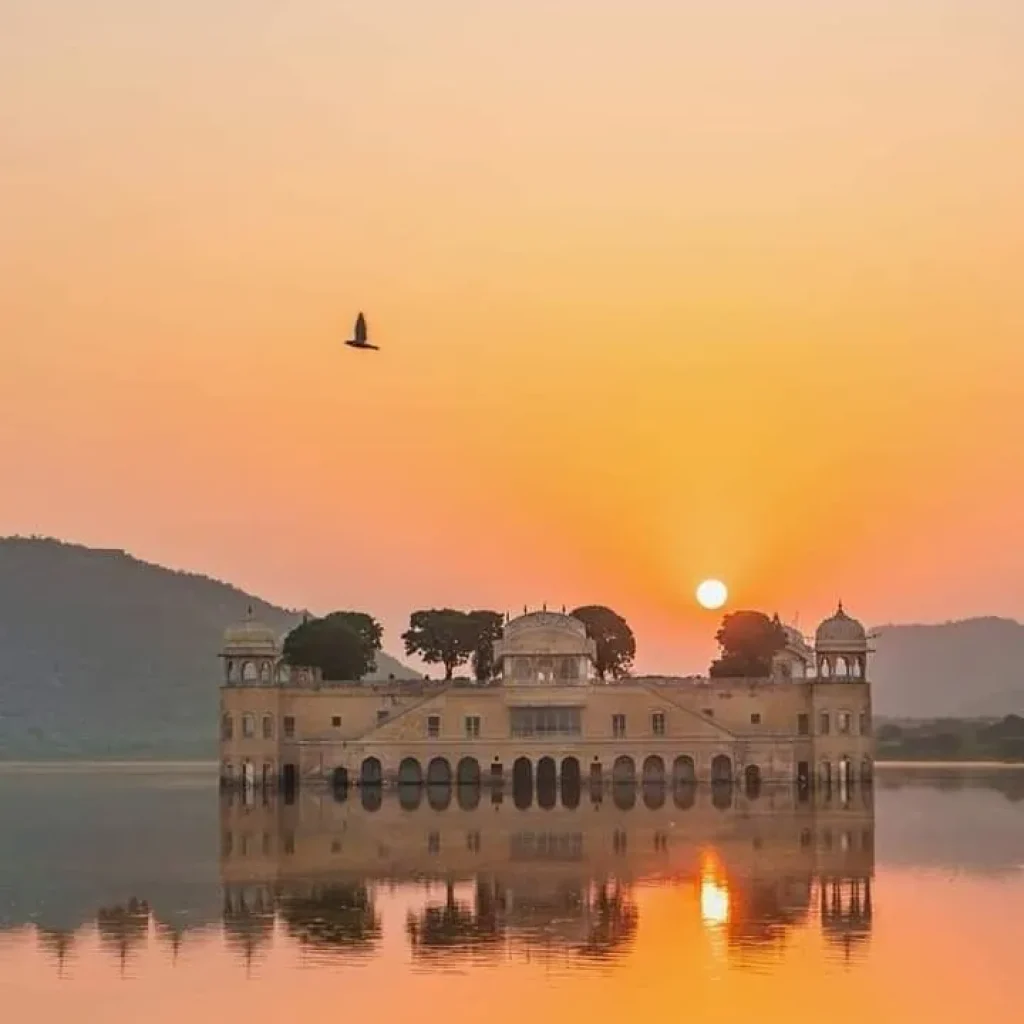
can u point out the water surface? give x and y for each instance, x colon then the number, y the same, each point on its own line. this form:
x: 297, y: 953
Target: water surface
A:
x: 139, y: 893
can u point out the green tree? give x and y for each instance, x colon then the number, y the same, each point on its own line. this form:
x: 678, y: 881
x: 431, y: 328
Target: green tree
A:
x: 343, y: 645
x: 616, y: 645
x: 485, y: 628
x: 749, y: 640
x: 449, y: 637
x: 440, y: 636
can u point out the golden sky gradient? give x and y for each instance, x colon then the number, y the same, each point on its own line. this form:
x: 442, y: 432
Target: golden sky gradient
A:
x: 666, y: 290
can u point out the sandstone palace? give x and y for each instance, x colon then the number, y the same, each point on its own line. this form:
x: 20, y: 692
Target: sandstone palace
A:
x: 546, y: 717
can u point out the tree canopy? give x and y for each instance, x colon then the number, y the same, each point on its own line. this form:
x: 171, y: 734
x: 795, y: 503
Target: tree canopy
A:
x: 448, y: 637
x: 486, y: 627
x: 749, y: 640
x: 343, y: 645
x: 616, y: 645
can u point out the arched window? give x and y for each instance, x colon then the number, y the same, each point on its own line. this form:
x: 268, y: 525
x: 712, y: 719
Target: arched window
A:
x: 842, y: 670
x: 265, y: 672
x: 268, y: 727
x: 284, y: 673
x: 248, y: 726
x: 227, y: 727
x: 249, y: 673
x: 231, y: 673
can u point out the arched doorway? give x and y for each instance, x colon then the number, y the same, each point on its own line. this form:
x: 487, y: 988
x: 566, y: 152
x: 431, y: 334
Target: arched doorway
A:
x: 624, y: 770
x: 439, y: 772
x: 752, y: 781
x: 339, y: 778
x: 547, y: 774
x: 468, y: 772
x: 684, y: 771
x: 570, y: 783
x: 248, y: 775
x: 522, y: 773
x: 721, y: 768
x: 866, y: 770
x: 410, y: 772
x: 371, y: 773
x: 845, y: 771
x: 654, y: 770
x: 289, y: 776
x: 825, y: 773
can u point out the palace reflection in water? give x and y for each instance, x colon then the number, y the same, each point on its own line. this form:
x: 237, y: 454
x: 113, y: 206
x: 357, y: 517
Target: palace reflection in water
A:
x: 492, y: 874
x: 141, y: 885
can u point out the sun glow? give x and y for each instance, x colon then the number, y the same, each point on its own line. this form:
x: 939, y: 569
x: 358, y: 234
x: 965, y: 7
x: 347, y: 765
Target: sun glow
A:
x: 712, y: 594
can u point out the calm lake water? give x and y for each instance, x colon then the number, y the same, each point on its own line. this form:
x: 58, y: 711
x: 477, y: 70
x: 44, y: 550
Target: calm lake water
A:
x: 136, y: 893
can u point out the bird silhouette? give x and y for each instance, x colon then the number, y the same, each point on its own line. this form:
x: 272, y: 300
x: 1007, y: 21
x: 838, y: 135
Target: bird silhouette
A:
x: 359, y: 338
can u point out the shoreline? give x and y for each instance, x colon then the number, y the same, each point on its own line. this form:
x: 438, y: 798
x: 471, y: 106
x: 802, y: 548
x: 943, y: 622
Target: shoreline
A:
x: 205, y: 764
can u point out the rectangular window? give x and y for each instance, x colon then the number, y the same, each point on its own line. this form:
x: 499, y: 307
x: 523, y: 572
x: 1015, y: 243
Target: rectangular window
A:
x: 843, y: 722
x: 472, y: 727
x: 823, y: 724
x: 658, y: 723
x: 434, y: 726
x: 268, y: 727
x: 618, y: 726
x: 545, y: 721
x: 865, y: 723
x: 248, y: 726
x: 755, y: 719
x: 382, y: 715
x: 227, y: 727
x: 803, y: 725
x: 289, y: 725
x: 335, y: 721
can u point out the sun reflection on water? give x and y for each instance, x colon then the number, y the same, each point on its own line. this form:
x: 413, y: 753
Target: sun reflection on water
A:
x: 714, y: 893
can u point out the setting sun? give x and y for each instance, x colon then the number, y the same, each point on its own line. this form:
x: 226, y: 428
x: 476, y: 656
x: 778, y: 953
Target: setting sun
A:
x: 712, y: 594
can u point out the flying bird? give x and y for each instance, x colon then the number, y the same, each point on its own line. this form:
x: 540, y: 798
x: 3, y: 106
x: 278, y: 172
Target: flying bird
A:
x: 359, y: 339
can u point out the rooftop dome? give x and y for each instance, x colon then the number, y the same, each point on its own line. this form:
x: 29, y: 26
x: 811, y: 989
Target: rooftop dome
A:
x: 545, y: 620
x: 841, y: 633
x: 250, y: 635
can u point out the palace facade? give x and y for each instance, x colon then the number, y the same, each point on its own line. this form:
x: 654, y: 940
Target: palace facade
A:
x: 547, y: 717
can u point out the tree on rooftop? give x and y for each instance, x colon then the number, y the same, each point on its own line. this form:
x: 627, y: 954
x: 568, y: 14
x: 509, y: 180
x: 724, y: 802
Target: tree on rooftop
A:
x: 343, y: 645
x: 749, y: 640
x: 485, y: 628
x: 616, y: 645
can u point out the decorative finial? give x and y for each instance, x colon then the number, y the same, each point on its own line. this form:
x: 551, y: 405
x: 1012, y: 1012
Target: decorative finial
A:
x: 524, y: 609
x: 249, y: 612
x: 544, y: 606
x: 839, y: 610
x: 563, y: 609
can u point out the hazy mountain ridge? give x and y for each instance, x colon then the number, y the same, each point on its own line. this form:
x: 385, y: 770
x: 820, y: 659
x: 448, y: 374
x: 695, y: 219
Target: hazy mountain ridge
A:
x: 963, y: 669
x: 102, y: 654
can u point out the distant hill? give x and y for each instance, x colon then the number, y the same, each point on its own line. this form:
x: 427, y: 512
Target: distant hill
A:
x: 973, y: 668
x: 102, y: 655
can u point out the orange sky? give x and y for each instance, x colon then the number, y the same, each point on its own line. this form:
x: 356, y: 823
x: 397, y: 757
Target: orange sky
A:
x: 666, y: 290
